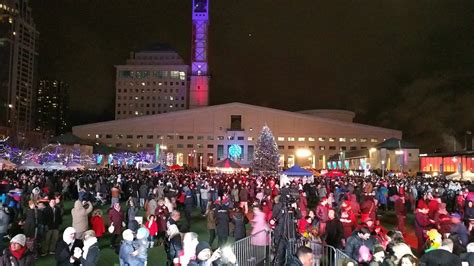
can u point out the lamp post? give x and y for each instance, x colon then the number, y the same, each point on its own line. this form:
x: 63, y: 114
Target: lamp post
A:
x: 383, y: 168
x: 200, y: 163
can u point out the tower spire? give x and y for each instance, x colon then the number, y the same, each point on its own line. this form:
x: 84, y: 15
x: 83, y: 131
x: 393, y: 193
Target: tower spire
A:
x: 199, y: 83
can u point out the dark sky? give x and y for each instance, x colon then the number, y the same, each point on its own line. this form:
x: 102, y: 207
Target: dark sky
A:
x: 366, y: 56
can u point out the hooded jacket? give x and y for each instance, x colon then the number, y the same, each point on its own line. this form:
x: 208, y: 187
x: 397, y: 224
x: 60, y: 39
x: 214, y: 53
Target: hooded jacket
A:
x: 65, y: 249
x: 80, y: 220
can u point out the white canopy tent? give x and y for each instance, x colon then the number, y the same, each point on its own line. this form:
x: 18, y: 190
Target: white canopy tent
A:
x: 30, y: 165
x: 74, y: 166
x: 54, y: 166
x: 466, y: 175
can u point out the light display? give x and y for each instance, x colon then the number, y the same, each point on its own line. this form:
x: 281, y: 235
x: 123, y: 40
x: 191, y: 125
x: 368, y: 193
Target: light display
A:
x: 235, y: 151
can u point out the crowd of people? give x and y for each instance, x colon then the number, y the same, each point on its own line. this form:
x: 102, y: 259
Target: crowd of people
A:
x: 133, y: 211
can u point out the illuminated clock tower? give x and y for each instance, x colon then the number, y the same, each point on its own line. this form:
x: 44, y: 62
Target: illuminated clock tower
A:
x: 199, y: 83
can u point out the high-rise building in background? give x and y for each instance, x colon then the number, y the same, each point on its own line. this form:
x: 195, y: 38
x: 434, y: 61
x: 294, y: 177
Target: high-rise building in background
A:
x: 153, y: 81
x: 52, y: 107
x: 18, y: 60
x: 199, y: 81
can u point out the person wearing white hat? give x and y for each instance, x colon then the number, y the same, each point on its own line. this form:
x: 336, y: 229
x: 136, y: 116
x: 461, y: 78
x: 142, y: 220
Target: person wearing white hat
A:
x: 17, y: 253
x: 127, y: 253
x: 69, y: 249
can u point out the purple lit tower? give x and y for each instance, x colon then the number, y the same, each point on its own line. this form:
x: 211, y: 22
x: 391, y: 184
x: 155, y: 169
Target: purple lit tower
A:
x: 199, y: 87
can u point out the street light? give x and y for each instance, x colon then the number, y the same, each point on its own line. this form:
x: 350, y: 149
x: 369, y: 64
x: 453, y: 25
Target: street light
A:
x: 383, y: 168
x: 200, y: 163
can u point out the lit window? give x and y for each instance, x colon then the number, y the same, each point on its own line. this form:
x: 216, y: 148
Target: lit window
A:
x: 322, y: 148
x: 373, y: 140
x: 342, y: 139
x: 281, y: 138
x: 321, y: 139
x: 182, y: 75
x: 301, y: 139
x: 353, y: 139
x: 136, y: 112
x: 220, y: 137
x: 363, y: 140
x: 331, y: 139
x: 250, y: 138
x: 97, y: 136
x: 291, y: 139
x: 311, y: 139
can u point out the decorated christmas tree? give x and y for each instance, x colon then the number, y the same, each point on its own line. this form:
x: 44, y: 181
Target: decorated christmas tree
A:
x: 266, y: 156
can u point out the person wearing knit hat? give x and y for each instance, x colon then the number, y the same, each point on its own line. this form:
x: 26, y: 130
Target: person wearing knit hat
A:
x: 69, y: 249
x: 141, y: 245
x: 127, y: 254
x: 204, y: 255
x: 17, y: 253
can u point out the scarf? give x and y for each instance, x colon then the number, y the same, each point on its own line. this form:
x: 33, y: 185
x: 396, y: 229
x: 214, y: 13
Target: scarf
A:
x: 18, y: 253
x: 87, y: 244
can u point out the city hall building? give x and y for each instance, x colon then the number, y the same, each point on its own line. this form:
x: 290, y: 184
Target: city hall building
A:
x: 203, y: 136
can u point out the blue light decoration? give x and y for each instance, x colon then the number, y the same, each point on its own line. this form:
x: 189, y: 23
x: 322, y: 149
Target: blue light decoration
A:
x: 235, y: 151
x: 100, y: 157
x: 346, y: 163
x: 339, y: 164
x: 334, y: 165
x: 329, y: 165
x: 110, y: 159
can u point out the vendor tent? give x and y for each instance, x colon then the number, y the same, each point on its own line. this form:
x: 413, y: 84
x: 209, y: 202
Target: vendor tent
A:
x: 159, y: 168
x: 227, y: 166
x: 54, y: 166
x: 74, y: 166
x: 30, y: 165
x: 467, y: 175
x: 295, y: 173
x: 175, y: 167
x: 296, y: 170
x: 334, y: 173
x: 6, y: 165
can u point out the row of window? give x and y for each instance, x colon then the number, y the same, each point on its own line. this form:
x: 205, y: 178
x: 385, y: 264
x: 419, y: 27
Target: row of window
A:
x: 160, y: 74
x: 152, y: 112
x: 150, y: 90
x: 322, y: 139
x: 145, y: 105
x: 136, y: 98
x: 322, y: 148
x: 148, y: 83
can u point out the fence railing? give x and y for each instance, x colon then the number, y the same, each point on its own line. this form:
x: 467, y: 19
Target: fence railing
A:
x: 258, y: 249
x: 254, y: 249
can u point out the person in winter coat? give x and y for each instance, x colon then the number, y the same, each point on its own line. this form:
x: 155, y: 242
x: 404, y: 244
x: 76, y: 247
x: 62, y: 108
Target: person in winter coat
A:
x: 334, y: 230
x: 53, y: 218
x: 211, y: 223
x: 90, y: 251
x: 80, y: 217
x: 132, y: 212
x: 441, y: 256
x: 401, y: 213
x: 97, y: 223
x: 32, y: 219
x: 188, y: 206
x: 17, y: 253
x: 161, y: 216
x: 222, y: 223
x: 368, y: 209
x: 359, y: 238
x: 151, y: 206
x: 152, y: 229
x: 4, y: 221
x: 322, y: 214
x: 116, y: 219
x: 422, y: 224
x: 259, y: 226
x: 143, y: 193
x: 239, y: 220
x: 304, y: 257
x: 244, y: 197
x: 141, y: 245
x: 303, y: 204
x: 69, y: 249
x: 127, y: 253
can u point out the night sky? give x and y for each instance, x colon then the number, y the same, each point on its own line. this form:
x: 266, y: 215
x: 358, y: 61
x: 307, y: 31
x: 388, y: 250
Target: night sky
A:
x: 400, y: 64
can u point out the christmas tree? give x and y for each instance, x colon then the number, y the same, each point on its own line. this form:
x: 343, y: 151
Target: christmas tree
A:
x: 266, y: 155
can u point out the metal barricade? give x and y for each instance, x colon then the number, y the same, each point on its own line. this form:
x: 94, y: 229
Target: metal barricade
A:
x: 254, y: 249
x: 324, y: 255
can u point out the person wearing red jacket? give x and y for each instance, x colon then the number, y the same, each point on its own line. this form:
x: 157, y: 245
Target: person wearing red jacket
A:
x: 152, y: 229
x: 97, y: 223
